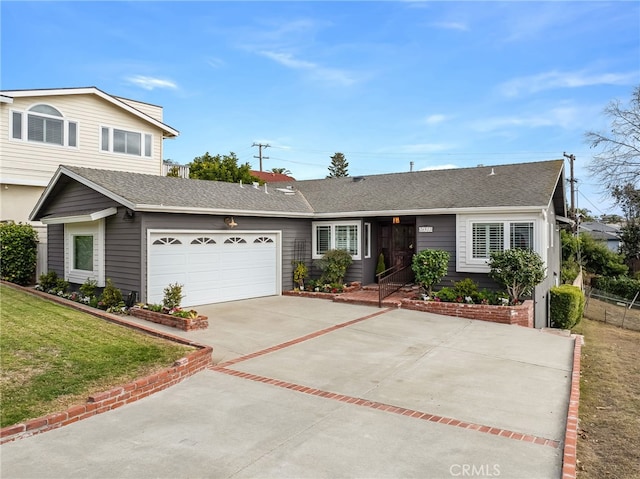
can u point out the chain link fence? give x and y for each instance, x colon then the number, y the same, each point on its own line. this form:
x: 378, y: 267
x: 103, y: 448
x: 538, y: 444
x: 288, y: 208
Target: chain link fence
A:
x: 612, y: 309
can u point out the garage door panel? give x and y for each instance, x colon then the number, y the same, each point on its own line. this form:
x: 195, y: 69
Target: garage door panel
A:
x: 213, y: 267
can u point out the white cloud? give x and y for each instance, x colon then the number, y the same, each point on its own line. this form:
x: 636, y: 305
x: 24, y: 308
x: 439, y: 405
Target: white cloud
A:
x: 554, y: 79
x: 150, y: 83
x: 451, y: 26
x: 565, y: 117
x: 435, y: 119
x: 215, y: 62
x: 329, y: 74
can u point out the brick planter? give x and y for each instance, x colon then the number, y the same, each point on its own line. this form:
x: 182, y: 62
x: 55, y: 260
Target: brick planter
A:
x: 521, y: 315
x: 185, y: 324
x: 354, y: 286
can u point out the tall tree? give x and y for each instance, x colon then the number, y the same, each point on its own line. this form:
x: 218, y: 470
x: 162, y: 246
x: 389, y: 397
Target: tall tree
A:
x: 220, y: 168
x: 618, y: 163
x: 628, y: 198
x: 339, y: 166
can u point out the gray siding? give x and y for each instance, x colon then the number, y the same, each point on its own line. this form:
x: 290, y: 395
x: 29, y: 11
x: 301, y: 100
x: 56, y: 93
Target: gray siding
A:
x: 55, y: 249
x: 443, y: 237
x: 554, y: 264
x: 123, y: 252
x: 70, y: 197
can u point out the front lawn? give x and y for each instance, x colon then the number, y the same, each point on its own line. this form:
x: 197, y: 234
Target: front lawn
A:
x: 609, y: 434
x: 53, y: 357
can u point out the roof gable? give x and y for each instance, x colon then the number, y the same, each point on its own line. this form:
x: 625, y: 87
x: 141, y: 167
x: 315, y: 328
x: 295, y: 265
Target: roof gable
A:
x: 168, y: 132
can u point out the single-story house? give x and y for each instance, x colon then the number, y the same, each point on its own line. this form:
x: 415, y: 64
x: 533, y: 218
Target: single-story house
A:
x: 229, y: 241
x: 604, y: 233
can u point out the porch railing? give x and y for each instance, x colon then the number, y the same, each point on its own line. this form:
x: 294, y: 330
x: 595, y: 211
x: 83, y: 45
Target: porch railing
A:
x: 392, y: 279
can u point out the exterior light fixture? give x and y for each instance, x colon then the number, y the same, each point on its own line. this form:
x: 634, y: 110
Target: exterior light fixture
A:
x: 396, y: 220
x: 229, y: 221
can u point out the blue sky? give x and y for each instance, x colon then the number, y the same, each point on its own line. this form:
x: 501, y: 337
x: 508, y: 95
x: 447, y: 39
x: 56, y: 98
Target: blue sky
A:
x: 386, y: 83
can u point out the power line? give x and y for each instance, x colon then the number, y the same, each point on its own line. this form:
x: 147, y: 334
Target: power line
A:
x: 260, y: 147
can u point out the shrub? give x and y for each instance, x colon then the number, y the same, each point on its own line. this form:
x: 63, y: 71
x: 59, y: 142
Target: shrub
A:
x: 380, y: 266
x: 300, y: 273
x: 518, y: 270
x: 172, y: 296
x: 334, y: 264
x: 566, y: 306
x: 88, y: 288
x: 430, y: 266
x: 47, y: 281
x: 623, y: 286
x: 18, y: 252
x: 111, y: 296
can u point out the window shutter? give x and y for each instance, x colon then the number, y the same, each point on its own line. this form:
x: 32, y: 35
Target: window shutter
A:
x: 323, y: 239
x: 522, y: 235
x: 133, y: 143
x: 16, y: 132
x: 53, y: 131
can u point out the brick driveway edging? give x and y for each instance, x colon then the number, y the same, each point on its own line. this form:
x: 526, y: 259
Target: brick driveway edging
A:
x: 119, y: 396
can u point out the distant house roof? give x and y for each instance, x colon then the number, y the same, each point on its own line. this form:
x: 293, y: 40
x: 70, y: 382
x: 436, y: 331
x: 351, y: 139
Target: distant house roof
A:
x: 518, y: 187
x: 269, y: 177
x: 168, y: 132
x: 601, y: 231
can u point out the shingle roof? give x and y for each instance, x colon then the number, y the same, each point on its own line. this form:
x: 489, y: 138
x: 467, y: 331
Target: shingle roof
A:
x: 167, y: 192
x: 523, y: 185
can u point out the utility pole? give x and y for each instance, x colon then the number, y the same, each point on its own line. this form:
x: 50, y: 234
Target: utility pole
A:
x: 572, y: 182
x: 260, y: 147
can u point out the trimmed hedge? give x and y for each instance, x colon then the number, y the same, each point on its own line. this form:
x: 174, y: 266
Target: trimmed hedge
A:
x: 18, y: 253
x: 567, y: 306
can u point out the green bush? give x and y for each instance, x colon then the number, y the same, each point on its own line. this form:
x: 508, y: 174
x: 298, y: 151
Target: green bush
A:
x: 566, y: 306
x: 334, y: 264
x: 111, y: 296
x: 88, y: 288
x: 623, y: 286
x: 18, y: 252
x: 50, y: 283
x: 430, y: 266
x: 518, y: 270
x: 172, y: 296
x: 380, y: 266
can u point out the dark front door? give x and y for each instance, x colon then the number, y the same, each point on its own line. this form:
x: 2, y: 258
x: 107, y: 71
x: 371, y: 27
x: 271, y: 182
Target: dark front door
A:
x: 398, y: 243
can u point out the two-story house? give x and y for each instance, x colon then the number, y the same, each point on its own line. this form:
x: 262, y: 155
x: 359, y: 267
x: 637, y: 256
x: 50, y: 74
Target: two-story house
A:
x: 42, y: 129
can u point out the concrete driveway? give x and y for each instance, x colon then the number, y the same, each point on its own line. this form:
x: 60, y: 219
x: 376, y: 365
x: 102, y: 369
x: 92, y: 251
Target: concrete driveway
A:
x: 308, y: 388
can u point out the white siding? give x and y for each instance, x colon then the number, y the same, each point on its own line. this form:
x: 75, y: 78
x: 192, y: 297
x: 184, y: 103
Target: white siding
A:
x: 153, y: 111
x: 34, y: 163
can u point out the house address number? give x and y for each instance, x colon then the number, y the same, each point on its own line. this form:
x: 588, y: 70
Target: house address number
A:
x: 425, y: 229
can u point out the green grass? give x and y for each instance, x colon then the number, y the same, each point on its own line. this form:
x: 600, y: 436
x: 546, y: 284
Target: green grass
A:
x: 609, y: 434
x: 52, y: 357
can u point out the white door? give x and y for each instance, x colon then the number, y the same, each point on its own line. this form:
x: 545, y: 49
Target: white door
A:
x: 213, y: 267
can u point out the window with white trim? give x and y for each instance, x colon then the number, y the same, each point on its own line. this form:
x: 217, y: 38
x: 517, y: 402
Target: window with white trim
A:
x: 84, y: 252
x: 490, y: 237
x: 115, y: 140
x: 44, y: 124
x: 336, y: 235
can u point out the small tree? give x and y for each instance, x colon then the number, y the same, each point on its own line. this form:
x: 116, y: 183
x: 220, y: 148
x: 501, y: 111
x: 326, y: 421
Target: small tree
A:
x: 430, y: 266
x: 518, y: 270
x: 300, y: 273
x: 220, y: 168
x: 172, y: 296
x: 339, y: 166
x: 18, y: 252
x: 334, y: 264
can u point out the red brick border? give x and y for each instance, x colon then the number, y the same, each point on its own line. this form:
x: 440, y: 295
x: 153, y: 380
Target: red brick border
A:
x: 517, y: 436
x: 118, y: 396
x: 571, y: 432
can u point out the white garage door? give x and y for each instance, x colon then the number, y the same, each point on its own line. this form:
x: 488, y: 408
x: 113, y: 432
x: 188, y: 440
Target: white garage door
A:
x: 213, y: 267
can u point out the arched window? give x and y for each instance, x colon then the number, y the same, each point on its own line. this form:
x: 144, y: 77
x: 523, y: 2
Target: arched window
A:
x: 45, y: 124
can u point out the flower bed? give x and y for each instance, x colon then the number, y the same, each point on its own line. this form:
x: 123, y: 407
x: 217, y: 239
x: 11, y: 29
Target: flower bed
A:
x: 185, y: 324
x: 521, y: 314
